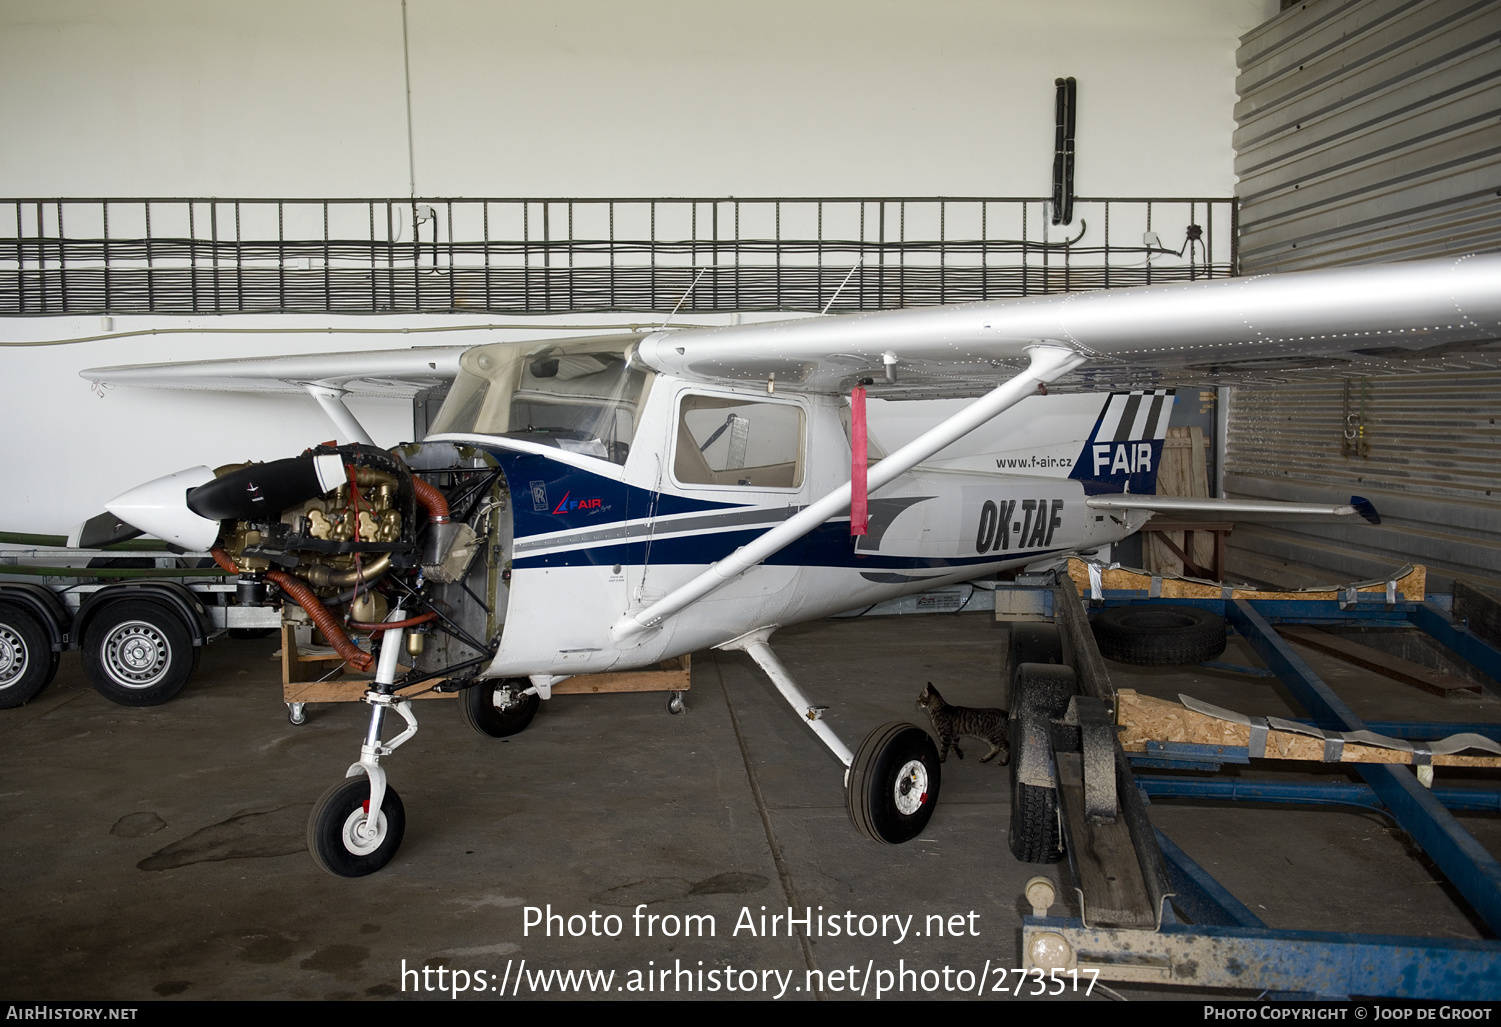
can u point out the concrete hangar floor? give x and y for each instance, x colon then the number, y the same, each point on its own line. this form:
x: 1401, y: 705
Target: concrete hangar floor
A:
x: 161, y: 852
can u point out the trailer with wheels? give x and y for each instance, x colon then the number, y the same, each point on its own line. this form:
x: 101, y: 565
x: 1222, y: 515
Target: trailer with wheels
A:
x: 139, y: 630
x: 1145, y: 911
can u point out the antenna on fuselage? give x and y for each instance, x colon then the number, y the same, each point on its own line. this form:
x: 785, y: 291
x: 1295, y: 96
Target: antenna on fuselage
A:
x: 842, y: 284
x: 684, y: 299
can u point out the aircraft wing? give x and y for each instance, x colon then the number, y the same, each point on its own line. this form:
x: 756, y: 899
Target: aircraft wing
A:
x: 1432, y: 315
x: 393, y: 373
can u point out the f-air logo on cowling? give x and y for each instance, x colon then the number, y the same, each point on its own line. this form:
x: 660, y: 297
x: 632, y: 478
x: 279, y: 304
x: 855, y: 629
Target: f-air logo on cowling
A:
x: 567, y: 505
x: 1039, y: 519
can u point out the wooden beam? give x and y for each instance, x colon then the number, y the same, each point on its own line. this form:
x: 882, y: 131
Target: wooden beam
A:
x: 1394, y: 667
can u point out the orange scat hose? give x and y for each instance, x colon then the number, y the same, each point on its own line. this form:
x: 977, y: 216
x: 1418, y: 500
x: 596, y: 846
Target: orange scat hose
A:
x: 432, y: 499
x: 326, y: 622
x: 421, y: 618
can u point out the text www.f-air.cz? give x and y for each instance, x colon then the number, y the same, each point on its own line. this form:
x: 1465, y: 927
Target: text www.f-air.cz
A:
x: 519, y: 980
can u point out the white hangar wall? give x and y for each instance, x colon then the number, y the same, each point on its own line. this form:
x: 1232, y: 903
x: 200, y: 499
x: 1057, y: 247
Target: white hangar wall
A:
x: 598, y: 98
x: 199, y: 98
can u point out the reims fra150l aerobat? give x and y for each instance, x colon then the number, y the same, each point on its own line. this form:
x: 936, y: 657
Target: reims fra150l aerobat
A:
x: 605, y: 503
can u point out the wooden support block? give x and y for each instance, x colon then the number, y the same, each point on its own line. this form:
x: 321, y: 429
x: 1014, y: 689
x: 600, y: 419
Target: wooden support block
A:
x: 301, y: 673
x: 1394, y: 667
x: 354, y: 691
x: 672, y: 677
x: 1144, y: 719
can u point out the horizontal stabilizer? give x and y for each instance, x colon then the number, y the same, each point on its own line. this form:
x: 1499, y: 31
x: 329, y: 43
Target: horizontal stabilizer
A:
x: 1366, y: 509
x: 1190, y: 504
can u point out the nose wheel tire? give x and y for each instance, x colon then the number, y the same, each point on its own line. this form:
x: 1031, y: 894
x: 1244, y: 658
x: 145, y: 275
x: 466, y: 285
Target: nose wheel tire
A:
x: 893, y: 783
x: 337, y: 835
x: 27, y: 661
x: 497, y: 708
x: 138, y: 654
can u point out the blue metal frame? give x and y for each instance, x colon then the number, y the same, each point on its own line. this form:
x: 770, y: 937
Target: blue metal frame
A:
x: 1304, y: 963
x: 1311, y: 962
x: 1471, y: 869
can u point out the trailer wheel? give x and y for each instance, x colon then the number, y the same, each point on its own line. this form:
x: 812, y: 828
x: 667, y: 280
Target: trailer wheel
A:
x: 893, y: 783
x: 1158, y: 635
x: 1030, y: 642
x: 27, y: 662
x: 1034, y: 824
x: 497, y: 708
x: 138, y: 653
x: 1040, y: 693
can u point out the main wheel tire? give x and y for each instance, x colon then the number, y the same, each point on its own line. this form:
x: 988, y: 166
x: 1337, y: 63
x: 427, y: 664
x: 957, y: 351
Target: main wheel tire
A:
x: 27, y: 662
x: 1040, y: 693
x: 1159, y: 635
x: 138, y: 653
x: 335, y: 829
x: 893, y: 783
x: 497, y: 708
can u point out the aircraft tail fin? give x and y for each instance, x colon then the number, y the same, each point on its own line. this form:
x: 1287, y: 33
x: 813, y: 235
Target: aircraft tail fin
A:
x: 1124, y: 451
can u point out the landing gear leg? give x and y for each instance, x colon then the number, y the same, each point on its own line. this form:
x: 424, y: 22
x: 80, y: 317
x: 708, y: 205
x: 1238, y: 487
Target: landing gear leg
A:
x: 356, y: 826
x: 891, y: 785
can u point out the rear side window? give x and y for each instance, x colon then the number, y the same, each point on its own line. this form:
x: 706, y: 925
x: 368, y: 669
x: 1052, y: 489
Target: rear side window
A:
x: 739, y: 442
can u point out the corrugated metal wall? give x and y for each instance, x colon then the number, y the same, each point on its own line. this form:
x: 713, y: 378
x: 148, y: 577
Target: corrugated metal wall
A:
x: 1431, y: 464
x: 1370, y: 130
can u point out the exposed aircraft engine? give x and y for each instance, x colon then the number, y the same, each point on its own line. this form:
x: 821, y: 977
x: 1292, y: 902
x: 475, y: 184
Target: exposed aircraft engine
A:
x: 346, y: 534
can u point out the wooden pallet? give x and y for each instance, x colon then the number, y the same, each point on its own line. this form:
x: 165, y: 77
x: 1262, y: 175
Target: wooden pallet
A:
x: 301, y: 670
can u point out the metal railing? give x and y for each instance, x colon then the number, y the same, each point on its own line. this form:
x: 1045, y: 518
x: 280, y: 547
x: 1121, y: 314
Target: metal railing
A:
x: 519, y: 256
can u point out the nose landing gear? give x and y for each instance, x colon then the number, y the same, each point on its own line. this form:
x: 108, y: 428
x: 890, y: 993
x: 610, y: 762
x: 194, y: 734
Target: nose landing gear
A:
x: 356, y: 826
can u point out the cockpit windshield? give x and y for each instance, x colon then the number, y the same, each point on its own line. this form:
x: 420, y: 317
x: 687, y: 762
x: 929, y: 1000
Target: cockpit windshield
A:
x: 582, y: 395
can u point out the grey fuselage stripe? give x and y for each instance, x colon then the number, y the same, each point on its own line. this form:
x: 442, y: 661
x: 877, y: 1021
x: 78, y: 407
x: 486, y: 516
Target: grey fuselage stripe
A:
x: 661, y: 526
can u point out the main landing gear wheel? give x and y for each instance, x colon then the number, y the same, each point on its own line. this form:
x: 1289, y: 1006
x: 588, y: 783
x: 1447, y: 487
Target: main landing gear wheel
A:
x: 893, y: 783
x: 497, y: 708
x: 138, y: 654
x: 1158, y: 635
x: 27, y: 662
x: 337, y: 835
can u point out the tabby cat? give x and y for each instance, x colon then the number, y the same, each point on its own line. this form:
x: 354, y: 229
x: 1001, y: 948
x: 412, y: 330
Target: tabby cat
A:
x: 952, y: 722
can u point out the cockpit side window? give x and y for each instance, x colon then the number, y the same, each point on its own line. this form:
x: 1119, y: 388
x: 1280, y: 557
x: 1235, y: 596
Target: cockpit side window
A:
x: 729, y: 441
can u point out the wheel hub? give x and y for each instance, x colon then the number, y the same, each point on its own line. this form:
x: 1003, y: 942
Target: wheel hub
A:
x: 136, y: 655
x: 911, y: 787
x: 12, y: 658
x: 357, y: 836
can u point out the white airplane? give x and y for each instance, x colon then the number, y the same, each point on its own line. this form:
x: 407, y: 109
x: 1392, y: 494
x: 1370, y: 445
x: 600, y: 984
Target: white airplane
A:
x: 605, y: 503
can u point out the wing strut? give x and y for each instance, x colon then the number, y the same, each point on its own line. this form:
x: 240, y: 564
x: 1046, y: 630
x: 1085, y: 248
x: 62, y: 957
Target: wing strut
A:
x: 1048, y: 363
x: 332, y: 402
